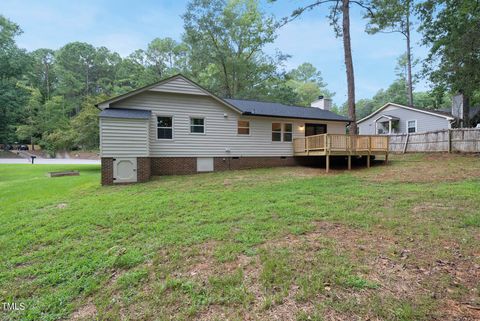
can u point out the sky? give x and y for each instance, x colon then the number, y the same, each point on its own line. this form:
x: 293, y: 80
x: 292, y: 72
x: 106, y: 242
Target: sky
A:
x: 124, y: 26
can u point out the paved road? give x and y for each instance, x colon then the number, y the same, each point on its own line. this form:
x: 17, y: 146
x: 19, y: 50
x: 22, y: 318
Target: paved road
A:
x: 62, y: 161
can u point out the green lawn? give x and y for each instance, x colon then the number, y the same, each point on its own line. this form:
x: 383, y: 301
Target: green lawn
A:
x: 399, y: 242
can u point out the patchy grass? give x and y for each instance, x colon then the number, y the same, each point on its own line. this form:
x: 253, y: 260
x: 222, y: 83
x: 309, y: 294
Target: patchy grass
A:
x: 388, y: 243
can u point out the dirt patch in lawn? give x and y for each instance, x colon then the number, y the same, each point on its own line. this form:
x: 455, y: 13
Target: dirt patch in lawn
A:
x: 86, y: 312
x: 337, y: 272
x: 438, y: 167
x: 429, y: 207
x: 380, y: 258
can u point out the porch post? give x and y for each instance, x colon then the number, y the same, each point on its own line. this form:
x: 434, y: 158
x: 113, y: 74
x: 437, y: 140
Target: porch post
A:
x: 389, y: 126
x: 327, y: 163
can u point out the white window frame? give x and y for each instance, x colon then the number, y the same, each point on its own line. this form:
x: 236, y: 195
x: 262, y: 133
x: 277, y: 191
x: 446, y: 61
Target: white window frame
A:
x: 416, y: 129
x: 204, y: 125
x: 173, y: 125
x: 282, y: 132
x: 249, y: 127
x: 285, y: 132
x: 277, y: 132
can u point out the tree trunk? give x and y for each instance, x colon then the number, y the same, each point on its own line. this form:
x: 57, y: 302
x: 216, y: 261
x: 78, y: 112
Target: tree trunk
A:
x: 409, y: 58
x: 349, y: 65
x: 47, y: 78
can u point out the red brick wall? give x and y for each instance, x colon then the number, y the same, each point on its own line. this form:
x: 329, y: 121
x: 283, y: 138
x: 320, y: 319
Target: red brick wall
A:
x: 144, y: 167
x: 231, y: 163
x: 188, y: 165
x: 107, y: 171
x: 173, y: 165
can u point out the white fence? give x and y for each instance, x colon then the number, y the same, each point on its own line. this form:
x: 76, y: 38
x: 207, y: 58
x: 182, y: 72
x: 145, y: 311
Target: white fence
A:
x: 463, y: 140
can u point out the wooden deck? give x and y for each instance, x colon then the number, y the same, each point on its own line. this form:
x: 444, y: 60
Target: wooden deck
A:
x: 341, y: 145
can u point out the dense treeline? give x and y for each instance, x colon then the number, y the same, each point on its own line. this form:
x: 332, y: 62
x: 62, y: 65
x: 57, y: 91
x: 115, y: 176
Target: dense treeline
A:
x: 47, y: 96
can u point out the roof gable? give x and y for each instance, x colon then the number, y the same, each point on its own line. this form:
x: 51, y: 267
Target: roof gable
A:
x: 405, y: 107
x: 179, y: 85
x: 174, y: 84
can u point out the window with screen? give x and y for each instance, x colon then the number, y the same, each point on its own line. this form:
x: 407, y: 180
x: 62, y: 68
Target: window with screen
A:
x: 164, y: 127
x: 287, y: 132
x: 412, y: 126
x: 197, y: 125
x: 276, y: 132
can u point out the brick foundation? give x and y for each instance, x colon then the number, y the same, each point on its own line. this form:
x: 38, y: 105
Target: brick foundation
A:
x: 107, y: 171
x: 150, y: 166
x: 234, y: 163
x: 144, y: 169
x: 173, y: 165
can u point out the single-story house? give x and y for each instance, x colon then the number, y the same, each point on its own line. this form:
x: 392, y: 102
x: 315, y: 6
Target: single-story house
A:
x: 177, y: 127
x: 399, y: 119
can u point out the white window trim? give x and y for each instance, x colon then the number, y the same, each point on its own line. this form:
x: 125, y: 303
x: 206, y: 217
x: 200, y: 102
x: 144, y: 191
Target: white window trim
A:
x: 285, y: 132
x: 282, y: 131
x: 173, y: 128
x: 249, y: 127
x: 204, y: 125
x: 416, y: 129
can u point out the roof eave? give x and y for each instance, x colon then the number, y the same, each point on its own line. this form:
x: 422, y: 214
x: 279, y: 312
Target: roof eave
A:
x: 296, y: 117
x: 407, y: 107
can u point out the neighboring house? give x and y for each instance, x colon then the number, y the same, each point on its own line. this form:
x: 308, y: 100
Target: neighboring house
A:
x: 398, y: 119
x: 177, y: 127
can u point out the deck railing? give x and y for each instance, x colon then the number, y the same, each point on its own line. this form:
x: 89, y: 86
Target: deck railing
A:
x: 340, y: 143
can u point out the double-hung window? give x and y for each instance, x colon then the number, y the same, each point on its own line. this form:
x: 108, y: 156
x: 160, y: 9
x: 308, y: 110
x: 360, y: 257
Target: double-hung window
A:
x: 282, y: 132
x: 164, y: 127
x: 197, y: 125
x: 287, y: 132
x: 243, y: 127
x: 276, y: 132
x: 412, y: 126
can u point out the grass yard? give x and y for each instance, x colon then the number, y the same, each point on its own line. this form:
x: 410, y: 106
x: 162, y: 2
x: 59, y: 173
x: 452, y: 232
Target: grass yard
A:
x: 400, y: 242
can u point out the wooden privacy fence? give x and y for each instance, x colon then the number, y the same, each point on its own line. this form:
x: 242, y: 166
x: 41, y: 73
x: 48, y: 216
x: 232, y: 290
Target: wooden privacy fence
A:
x: 463, y: 140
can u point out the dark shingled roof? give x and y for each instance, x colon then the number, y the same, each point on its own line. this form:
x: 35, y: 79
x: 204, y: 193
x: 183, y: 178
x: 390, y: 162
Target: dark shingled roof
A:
x: 125, y: 113
x: 259, y: 108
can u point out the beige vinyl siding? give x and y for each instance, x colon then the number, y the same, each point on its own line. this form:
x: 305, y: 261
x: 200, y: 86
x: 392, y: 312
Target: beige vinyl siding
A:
x: 124, y: 137
x: 179, y: 85
x: 220, y: 138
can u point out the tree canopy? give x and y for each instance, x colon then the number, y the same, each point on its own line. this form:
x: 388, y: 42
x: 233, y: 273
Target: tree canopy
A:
x: 47, y: 96
x: 226, y: 41
x: 452, y: 31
